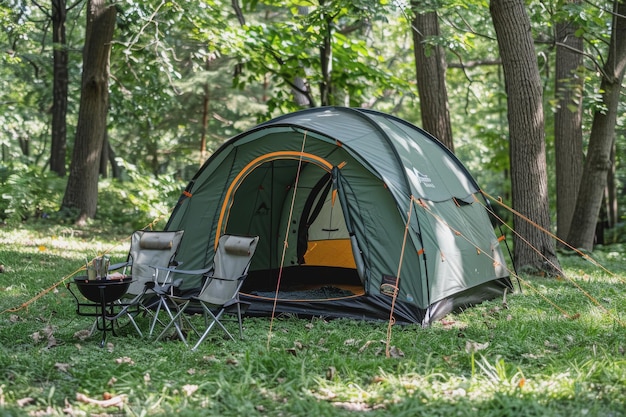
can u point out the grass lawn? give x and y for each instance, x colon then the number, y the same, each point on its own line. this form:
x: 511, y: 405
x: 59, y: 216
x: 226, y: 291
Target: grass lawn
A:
x: 554, y: 349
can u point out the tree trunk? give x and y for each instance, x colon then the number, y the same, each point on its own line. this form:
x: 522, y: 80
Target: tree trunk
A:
x: 430, y: 69
x: 598, y: 161
x: 58, y: 146
x: 611, y: 192
x: 104, y: 156
x: 116, y: 169
x: 568, y: 134
x: 534, y: 251
x: 81, y: 192
x: 326, y: 61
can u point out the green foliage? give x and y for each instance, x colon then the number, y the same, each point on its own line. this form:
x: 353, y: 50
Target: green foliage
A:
x: 288, y: 48
x: 171, y: 69
x: 176, y: 65
x: 522, y: 358
x: 135, y: 203
x: 28, y: 193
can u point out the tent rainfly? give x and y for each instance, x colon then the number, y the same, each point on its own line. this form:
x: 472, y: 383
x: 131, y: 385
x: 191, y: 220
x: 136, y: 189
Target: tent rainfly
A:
x: 358, y: 212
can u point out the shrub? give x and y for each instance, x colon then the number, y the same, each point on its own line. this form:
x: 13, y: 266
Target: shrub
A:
x: 28, y: 193
x: 138, y: 200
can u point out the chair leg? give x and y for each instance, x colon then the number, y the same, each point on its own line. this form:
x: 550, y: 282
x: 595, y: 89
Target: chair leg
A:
x: 155, y: 319
x: 131, y: 319
x: 126, y: 312
x: 240, y: 321
x: 174, y: 318
x: 174, y: 322
x: 216, y: 320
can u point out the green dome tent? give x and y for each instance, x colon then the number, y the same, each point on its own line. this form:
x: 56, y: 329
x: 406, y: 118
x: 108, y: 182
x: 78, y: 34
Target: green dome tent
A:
x: 353, y: 208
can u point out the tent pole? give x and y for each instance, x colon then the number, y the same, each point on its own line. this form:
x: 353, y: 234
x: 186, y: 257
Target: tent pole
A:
x: 282, y: 259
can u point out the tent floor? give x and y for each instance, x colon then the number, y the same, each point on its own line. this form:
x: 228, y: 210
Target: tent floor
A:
x: 304, y: 282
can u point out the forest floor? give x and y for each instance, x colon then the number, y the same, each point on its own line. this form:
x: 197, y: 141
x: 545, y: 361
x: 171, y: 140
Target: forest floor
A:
x: 555, y: 348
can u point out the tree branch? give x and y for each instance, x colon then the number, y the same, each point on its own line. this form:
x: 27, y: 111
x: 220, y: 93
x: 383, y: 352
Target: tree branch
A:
x: 237, y: 8
x: 475, y: 63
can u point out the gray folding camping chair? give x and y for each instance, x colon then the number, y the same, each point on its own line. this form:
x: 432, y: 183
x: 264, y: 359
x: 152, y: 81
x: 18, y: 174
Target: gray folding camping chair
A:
x: 219, y: 293
x: 150, y: 251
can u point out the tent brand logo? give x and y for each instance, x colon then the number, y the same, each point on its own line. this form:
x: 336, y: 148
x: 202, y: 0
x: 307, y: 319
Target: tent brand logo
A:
x: 424, y: 179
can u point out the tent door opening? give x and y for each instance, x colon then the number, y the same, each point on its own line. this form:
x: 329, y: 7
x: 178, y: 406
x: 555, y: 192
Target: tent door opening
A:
x: 294, y: 207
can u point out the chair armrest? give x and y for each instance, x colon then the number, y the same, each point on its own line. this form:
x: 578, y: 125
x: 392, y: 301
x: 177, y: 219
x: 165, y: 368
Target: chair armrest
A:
x: 165, y: 289
x: 239, y: 278
x: 167, y: 286
x: 182, y: 271
x: 119, y: 265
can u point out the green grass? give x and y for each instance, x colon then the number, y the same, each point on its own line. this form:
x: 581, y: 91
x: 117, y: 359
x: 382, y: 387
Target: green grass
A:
x: 524, y: 358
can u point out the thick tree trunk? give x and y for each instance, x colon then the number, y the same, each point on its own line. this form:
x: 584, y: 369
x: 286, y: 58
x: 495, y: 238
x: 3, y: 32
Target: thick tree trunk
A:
x: 534, y: 251
x: 598, y: 160
x: 58, y: 146
x: 81, y: 193
x: 568, y: 134
x: 430, y: 69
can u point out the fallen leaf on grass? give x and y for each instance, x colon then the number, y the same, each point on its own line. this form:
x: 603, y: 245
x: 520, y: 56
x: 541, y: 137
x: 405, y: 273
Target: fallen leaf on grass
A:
x: 124, y: 359
x: 471, y: 346
x: 24, y: 401
x: 394, y: 352
x: 447, y: 323
x: 190, y: 389
x: 532, y: 356
x: 550, y: 345
x: 352, y: 406
x: 52, y: 342
x: 82, y: 334
x: 47, y: 333
x: 378, y: 379
x: 365, y: 346
x: 36, y: 337
x: 117, y: 401
x: 63, y: 367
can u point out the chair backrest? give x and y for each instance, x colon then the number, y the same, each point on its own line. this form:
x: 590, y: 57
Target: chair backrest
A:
x: 147, y: 249
x: 231, y: 262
